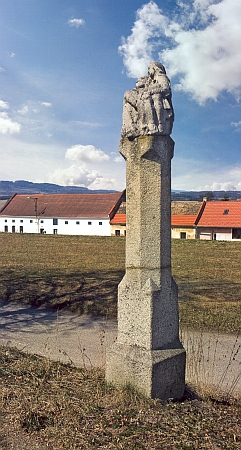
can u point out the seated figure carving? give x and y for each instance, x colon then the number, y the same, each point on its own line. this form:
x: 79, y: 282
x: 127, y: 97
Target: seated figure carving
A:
x: 147, y: 109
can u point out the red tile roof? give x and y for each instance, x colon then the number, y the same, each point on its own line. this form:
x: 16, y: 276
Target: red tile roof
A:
x: 221, y: 214
x: 62, y: 205
x: 118, y: 219
x: 184, y: 220
x: 178, y: 220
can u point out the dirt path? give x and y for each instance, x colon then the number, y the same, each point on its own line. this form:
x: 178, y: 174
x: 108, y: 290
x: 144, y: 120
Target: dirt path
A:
x: 211, y: 358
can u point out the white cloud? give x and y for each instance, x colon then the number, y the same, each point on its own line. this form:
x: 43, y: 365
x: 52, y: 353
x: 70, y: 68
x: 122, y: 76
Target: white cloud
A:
x: 202, y: 177
x: 201, y: 46
x: 87, y: 124
x: 75, y: 22
x: 46, y: 104
x: 74, y: 176
x: 86, y: 154
x: 79, y: 176
x: 2, y: 69
x: 7, y: 125
x: 228, y: 186
x: 4, y: 105
x: 24, y: 110
x: 103, y: 183
x: 137, y: 48
x: 236, y: 124
x: 119, y: 159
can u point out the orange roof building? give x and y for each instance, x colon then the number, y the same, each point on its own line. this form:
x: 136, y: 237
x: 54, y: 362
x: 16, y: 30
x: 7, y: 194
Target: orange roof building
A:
x: 220, y: 220
x: 104, y: 215
x: 118, y: 225
x: 183, y: 226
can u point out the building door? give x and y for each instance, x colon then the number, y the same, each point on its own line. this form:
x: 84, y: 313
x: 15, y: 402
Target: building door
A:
x: 6, y: 229
x: 21, y: 229
x: 13, y: 229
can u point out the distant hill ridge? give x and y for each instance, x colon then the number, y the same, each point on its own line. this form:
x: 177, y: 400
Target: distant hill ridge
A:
x: 8, y: 188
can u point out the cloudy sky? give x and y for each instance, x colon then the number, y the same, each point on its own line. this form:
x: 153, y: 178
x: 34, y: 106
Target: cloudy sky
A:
x: 65, y: 65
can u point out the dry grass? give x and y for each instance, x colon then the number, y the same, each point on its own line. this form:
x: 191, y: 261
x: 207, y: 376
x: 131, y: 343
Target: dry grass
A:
x: 182, y: 207
x: 208, y: 275
x: 76, y: 273
x: 46, y: 405
x: 81, y: 274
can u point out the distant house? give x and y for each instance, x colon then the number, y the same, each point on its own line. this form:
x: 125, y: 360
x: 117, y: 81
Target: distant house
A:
x: 105, y: 215
x: 72, y: 214
x: 220, y: 221
x: 183, y: 226
x: 118, y: 225
x: 215, y: 220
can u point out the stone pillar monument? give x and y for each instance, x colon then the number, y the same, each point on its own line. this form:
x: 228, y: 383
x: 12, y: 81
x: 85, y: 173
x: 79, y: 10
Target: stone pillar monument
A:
x: 148, y: 353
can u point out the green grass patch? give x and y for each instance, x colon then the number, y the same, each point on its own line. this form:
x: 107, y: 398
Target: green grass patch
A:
x: 81, y: 274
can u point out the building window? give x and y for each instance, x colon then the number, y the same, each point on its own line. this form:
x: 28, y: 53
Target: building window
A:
x: 100, y: 223
x: 183, y: 235
x: 21, y: 229
x: 13, y: 220
x: 89, y: 223
x: 55, y: 231
x: 66, y: 222
x: 225, y: 212
x: 31, y: 221
x: 13, y: 229
x: 117, y: 232
x: 6, y: 220
x: 41, y: 221
x: 21, y: 221
x: 236, y: 233
x: 6, y: 229
x: 77, y: 223
x: 55, y: 221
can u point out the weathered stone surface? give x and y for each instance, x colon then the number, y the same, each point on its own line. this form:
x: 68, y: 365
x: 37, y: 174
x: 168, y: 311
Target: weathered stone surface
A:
x: 154, y: 373
x: 148, y: 353
x: 147, y: 109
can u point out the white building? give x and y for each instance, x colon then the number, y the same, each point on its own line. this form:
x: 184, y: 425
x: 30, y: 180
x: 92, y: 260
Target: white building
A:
x: 73, y: 214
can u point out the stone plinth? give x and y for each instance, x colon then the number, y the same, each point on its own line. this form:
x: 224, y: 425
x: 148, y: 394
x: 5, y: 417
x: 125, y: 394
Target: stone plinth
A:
x: 148, y: 353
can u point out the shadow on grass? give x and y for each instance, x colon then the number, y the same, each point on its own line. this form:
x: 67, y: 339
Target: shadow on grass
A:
x: 209, y: 290
x: 93, y: 293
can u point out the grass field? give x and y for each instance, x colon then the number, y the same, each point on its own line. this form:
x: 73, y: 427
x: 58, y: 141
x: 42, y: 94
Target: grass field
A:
x: 48, y: 405
x: 81, y: 274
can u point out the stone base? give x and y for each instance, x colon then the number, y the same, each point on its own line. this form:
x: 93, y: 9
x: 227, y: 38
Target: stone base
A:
x: 155, y: 373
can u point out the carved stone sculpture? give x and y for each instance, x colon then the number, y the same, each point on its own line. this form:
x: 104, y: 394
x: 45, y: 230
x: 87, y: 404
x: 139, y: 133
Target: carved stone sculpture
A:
x: 147, y: 109
x: 148, y: 353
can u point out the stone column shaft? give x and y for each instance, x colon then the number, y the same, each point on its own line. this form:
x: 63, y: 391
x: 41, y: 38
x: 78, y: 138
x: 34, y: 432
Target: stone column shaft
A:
x: 148, y: 353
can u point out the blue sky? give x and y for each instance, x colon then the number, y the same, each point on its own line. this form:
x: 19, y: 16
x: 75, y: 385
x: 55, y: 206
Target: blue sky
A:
x: 64, y: 68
